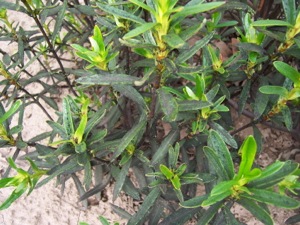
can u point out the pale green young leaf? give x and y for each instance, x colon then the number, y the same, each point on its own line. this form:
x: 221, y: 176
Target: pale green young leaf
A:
x: 166, y: 171
x: 176, y: 184
x: 99, y: 39
x: 248, y: 153
x: 174, y: 40
x: 13, y: 197
x: 12, y: 110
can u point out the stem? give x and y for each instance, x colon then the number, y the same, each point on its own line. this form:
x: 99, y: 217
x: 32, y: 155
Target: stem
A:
x: 33, y: 14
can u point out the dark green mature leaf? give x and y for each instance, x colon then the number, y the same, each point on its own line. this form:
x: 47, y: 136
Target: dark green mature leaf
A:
x: 67, y: 118
x: 145, y: 207
x: 210, y: 213
x: 168, y: 104
x: 194, y: 202
x: 269, y: 23
x: 185, y: 105
x: 131, y: 93
x: 271, y: 197
x: 218, y: 145
x: 59, y: 129
x: 258, y: 211
x: 289, y: 7
x: 120, y: 13
x: 244, y: 96
x: 129, y: 136
x: 287, y: 117
x: 261, y: 100
x: 12, y: 6
x: 224, y: 134
x: 180, y: 217
x: 185, y: 55
x: 121, y: 212
x: 50, y: 101
x: 216, y: 163
x: 121, y: 179
x: 107, y: 79
x: 163, y: 148
x: 293, y: 220
x: 273, y: 174
x: 59, y: 20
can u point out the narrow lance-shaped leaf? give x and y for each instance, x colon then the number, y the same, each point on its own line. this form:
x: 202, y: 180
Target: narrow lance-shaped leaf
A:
x: 219, y: 146
x: 59, y: 20
x: 269, y: 23
x: 256, y: 210
x: 288, y: 71
x: 271, y: 197
x: 120, y: 13
x: 216, y: 163
x: 11, y: 111
x: 168, y: 104
x: 139, y: 30
x: 67, y: 118
x: 145, y: 207
x: 121, y: 179
x: 274, y: 90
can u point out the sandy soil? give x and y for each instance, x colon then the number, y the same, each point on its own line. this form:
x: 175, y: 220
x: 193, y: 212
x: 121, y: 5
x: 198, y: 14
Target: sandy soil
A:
x: 47, y: 206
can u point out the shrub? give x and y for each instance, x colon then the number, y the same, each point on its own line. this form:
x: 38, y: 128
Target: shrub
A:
x: 147, y: 67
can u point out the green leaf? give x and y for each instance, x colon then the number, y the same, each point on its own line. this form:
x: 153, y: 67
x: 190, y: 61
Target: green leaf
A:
x: 59, y: 20
x: 274, y: 90
x: 67, y: 118
x: 257, y: 211
x: 168, y: 104
x: 131, y: 93
x: 13, y: 197
x: 194, y: 202
x: 173, y: 155
x: 273, y: 174
x: 186, y: 105
x: 12, y: 110
x: 139, y: 30
x: 166, y: 171
x: 270, y: 197
x: 244, y: 96
x: 270, y: 23
x: 176, y: 184
x: 108, y: 79
x: 129, y: 136
x: 145, y: 207
x: 224, y: 134
x: 293, y: 219
x: 216, y: 163
x: 218, y: 145
x: 288, y: 71
x: 174, y: 40
x: 248, y: 153
x: 287, y: 117
x: 209, y: 214
x: 289, y: 7
x: 195, y: 9
x: 180, y: 216
x: 187, y: 54
x: 163, y: 148
x: 120, y: 13
x: 261, y: 100
x: 121, y: 179
x: 144, y: 6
